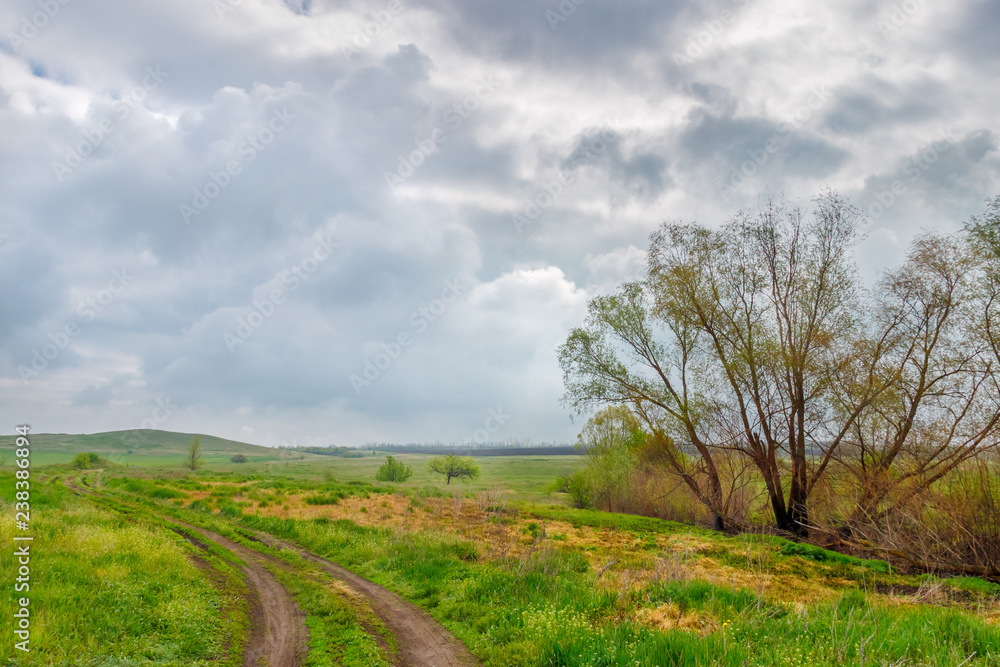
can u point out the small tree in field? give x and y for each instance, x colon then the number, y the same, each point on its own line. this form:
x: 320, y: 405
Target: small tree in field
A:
x: 193, y: 460
x: 238, y: 458
x: 457, y: 467
x: 86, y: 460
x: 393, y: 471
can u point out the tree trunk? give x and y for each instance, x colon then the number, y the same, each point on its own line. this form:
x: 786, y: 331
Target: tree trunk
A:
x: 798, y: 512
x: 781, y: 518
x: 715, y: 488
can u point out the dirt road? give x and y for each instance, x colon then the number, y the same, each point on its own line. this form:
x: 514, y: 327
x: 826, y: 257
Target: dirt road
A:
x: 422, y: 641
x: 279, y: 634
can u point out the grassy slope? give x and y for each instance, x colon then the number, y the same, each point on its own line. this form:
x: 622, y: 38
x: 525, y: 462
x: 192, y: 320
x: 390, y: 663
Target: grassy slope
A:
x: 147, y: 447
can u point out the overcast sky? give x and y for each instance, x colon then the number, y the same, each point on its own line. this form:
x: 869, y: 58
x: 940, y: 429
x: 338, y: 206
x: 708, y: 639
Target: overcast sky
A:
x: 311, y: 222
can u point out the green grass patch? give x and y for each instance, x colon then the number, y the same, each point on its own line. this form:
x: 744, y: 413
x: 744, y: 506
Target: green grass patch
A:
x: 106, y: 584
x: 821, y: 555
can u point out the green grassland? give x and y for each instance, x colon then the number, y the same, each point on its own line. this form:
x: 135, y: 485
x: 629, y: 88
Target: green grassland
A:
x: 549, y: 605
x: 155, y: 453
x: 528, y: 478
x: 522, y: 581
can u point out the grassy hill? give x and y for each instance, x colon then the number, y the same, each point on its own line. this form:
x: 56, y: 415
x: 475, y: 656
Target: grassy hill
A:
x: 141, y: 447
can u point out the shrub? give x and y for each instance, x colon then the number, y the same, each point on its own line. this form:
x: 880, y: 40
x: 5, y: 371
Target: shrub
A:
x: 393, y: 471
x: 579, y: 490
x: 238, y: 458
x: 561, y: 485
x: 87, y: 460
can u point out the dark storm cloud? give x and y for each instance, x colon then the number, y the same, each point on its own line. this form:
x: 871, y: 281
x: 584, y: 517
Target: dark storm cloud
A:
x: 876, y: 103
x: 974, y: 35
x: 562, y: 34
x: 642, y: 172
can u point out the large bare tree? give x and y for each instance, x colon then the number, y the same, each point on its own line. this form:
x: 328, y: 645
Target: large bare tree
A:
x: 735, y: 342
x: 941, y: 401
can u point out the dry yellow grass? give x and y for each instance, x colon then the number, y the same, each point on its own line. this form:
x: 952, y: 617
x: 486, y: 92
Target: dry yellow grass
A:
x: 670, y: 617
x: 636, y: 562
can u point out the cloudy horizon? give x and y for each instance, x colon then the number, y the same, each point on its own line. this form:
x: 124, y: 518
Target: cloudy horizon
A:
x: 310, y: 222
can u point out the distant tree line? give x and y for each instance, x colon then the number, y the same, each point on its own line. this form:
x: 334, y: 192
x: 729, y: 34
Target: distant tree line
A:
x: 331, y: 450
x: 502, y: 451
x: 510, y: 443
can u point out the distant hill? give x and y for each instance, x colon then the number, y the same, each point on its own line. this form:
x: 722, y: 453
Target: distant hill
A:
x: 119, y: 445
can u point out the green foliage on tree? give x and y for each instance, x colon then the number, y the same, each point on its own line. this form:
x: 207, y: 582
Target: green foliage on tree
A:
x: 984, y: 230
x: 193, y: 460
x: 611, y: 442
x: 238, y: 458
x: 86, y: 460
x: 462, y: 468
x: 393, y: 471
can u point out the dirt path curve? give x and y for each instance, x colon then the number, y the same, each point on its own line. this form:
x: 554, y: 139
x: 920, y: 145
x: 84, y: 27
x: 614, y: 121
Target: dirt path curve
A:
x: 278, y: 630
x: 421, y: 640
x: 278, y: 634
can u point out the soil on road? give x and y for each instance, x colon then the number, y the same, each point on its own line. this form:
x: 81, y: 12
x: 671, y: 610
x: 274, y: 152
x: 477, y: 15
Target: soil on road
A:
x: 421, y: 640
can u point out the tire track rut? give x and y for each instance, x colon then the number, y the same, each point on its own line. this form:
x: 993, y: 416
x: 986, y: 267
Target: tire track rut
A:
x: 421, y: 640
x: 278, y: 633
